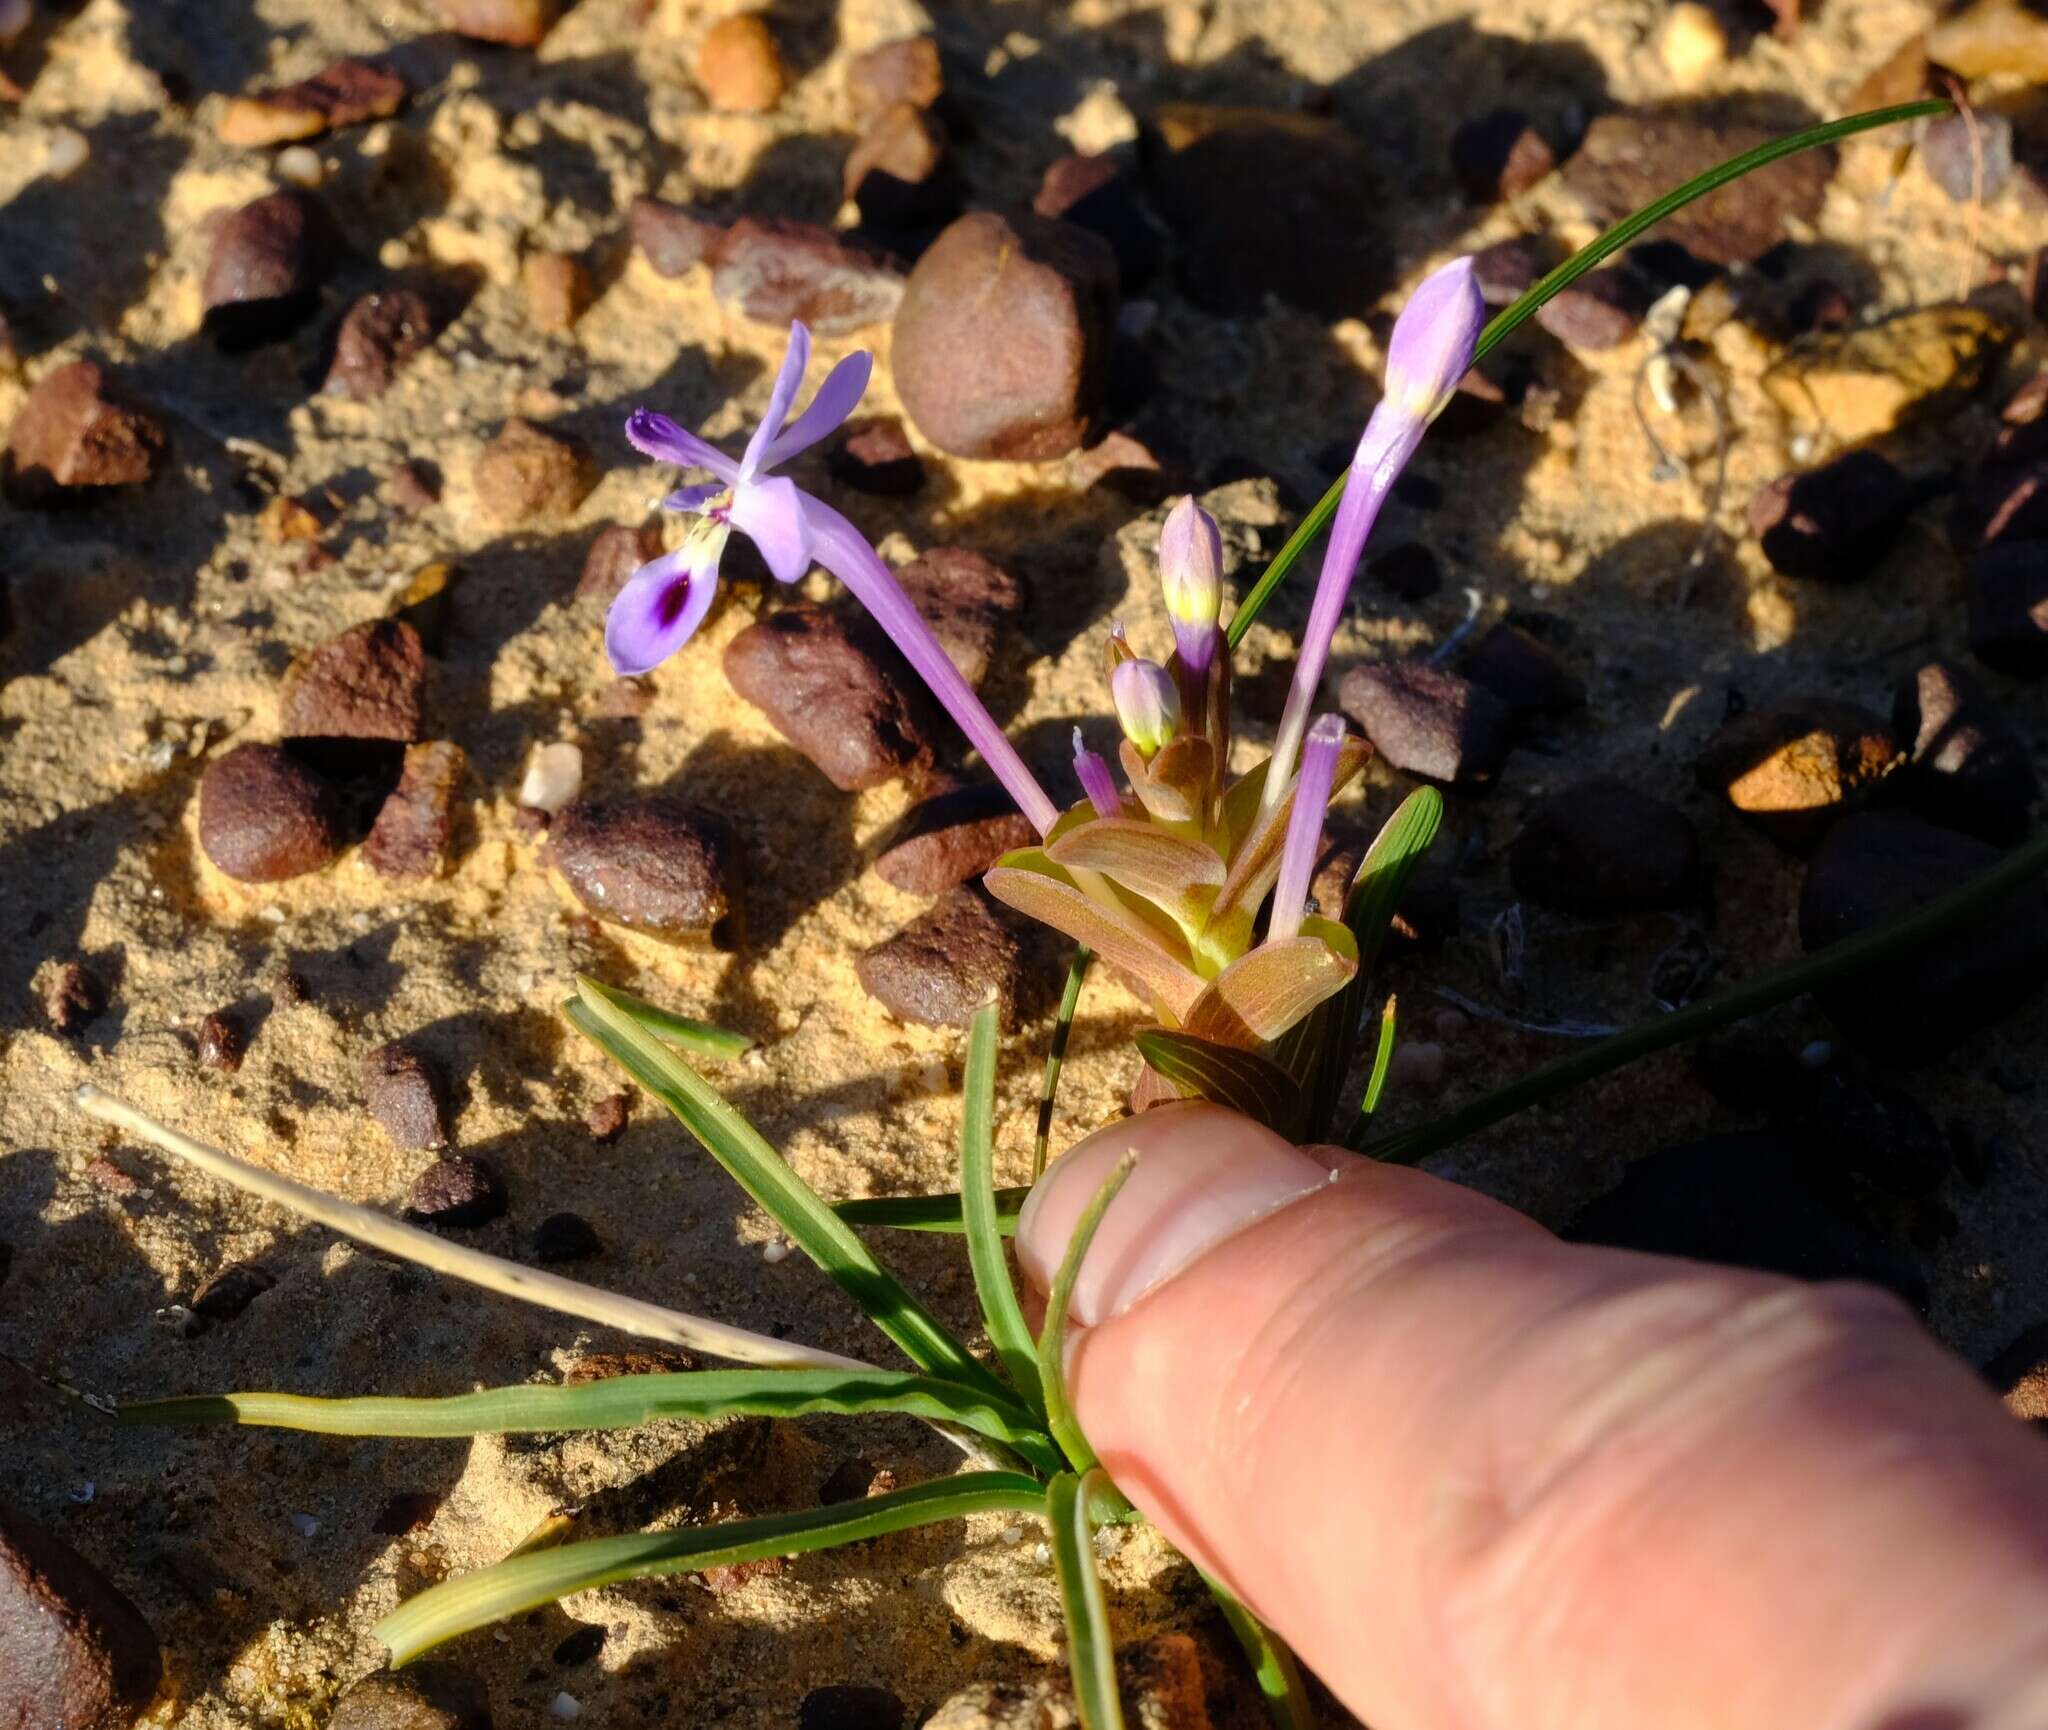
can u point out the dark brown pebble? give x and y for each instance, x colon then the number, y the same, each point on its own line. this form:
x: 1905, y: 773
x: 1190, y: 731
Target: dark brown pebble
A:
x: 228, y: 1293
x: 405, y: 1511
x: 1001, y: 345
x: 368, y: 682
x: 1835, y: 523
x: 565, y: 1237
x: 2004, y: 496
x: 264, y: 815
x: 740, y: 65
x: 773, y: 270
x: 1408, y: 571
x: 1267, y: 202
x: 606, y: 1120
x: 75, y: 435
x: 1795, y: 767
x: 413, y: 487
x: 1968, y: 156
x: 1506, y: 270
x: 429, y: 1696
x: 1529, y: 676
x: 581, y: 1646
x: 673, y: 239
x: 75, y: 1654
x: 345, y: 94
x: 73, y: 996
x: 655, y: 864
x: 222, y: 1041
x: 1499, y: 154
x: 969, y: 601
x: 1100, y: 194
x: 625, y: 699
x: 1936, y: 997
x: 456, y: 1191
x: 530, y: 474
x: 900, y: 173
x: 413, y: 838
x: 406, y: 1090
x: 616, y: 553
x: 906, y: 70
x: 377, y: 338
x: 1427, y: 721
x: 942, y: 966
x: 1600, y: 846
x: 516, y: 23
x: 2009, y: 607
x: 854, y: 1480
x: 558, y: 289
x: 1969, y: 766
x: 268, y: 261
x: 1602, y: 310
x: 877, y: 457
x: 954, y: 836
x: 850, y: 1706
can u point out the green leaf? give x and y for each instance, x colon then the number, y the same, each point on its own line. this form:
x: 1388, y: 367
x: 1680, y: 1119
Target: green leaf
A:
x: 1007, y: 1330
x: 1381, y: 1058
x: 1228, y: 1074
x: 939, y: 1213
x: 1091, y: 1652
x: 1273, y: 1665
x: 1056, y: 1055
x: 765, y: 1175
x: 1052, y: 1340
x: 1152, y: 953
x: 698, y: 1037
x: 1158, y: 864
x: 1585, y: 259
x: 1260, y: 995
x: 616, y: 1403
x: 525, y: 1582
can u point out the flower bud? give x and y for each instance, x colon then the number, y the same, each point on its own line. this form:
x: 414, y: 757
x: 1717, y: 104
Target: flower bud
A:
x: 1147, y: 704
x: 1431, y: 348
x: 1096, y: 780
x: 1191, y: 573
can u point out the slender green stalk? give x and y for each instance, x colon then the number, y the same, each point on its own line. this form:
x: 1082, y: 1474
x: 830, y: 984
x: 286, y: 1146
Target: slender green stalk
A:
x: 1056, y: 1054
x: 1052, y: 1341
x: 1587, y: 258
x: 1091, y: 1649
x: 697, y: 1037
x: 1007, y: 1329
x: 1381, y: 1059
x: 1883, y: 942
x: 940, y: 1213
x: 1273, y: 1665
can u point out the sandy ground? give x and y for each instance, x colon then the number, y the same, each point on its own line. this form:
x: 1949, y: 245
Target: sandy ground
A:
x: 151, y: 629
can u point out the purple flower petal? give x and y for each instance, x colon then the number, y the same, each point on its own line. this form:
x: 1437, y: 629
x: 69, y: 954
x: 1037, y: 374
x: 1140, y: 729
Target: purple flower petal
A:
x: 693, y: 498
x: 656, y: 436
x: 1305, y: 826
x: 662, y: 603
x: 1096, y: 780
x: 787, y: 383
x: 1431, y: 348
x: 772, y: 515
x: 836, y: 399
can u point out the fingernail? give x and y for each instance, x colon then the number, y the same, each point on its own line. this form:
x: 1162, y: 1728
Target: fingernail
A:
x: 1203, y: 1175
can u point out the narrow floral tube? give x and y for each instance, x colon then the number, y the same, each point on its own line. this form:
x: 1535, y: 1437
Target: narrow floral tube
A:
x: 1430, y: 350
x: 1305, y: 827
x: 1093, y: 772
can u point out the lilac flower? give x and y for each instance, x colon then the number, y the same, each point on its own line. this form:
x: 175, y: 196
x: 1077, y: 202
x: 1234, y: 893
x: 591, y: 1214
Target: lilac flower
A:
x: 1147, y: 704
x: 1191, y: 573
x: 1430, y: 350
x: 1096, y: 780
x: 666, y: 600
x: 1305, y: 827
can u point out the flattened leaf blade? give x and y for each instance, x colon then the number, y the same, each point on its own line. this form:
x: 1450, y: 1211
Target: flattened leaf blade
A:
x: 1229, y: 1075
x: 1260, y: 996
x: 1116, y: 934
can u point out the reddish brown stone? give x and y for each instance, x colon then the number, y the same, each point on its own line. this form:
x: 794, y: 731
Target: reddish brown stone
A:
x: 951, y: 837
x: 516, y: 23
x: 221, y: 1041
x: 264, y: 815
x: 655, y: 864
x: 345, y: 94
x: 377, y: 338
x: 557, y: 289
x: 740, y: 65
x: 877, y: 457
x: 906, y: 70
x: 950, y: 960
x: 1792, y: 769
x: 1427, y: 721
x: 616, y: 553
x: 1498, y: 155
x: 75, y: 1654
x: 531, y: 474
x: 368, y: 682
x: 671, y: 238
x: 968, y: 601
x: 268, y: 261
x: 900, y: 174
x: 414, y: 834
x: 406, y: 1090
x: 1600, y: 846
x: 76, y: 435
x: 773, y: 270
x: 73, y: 995
x: 606, y: 1120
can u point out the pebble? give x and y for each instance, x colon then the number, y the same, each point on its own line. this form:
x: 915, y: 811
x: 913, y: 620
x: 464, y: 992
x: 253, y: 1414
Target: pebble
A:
x: 1935, y: 998
x: 1429, y: 722
x: 554, y: 776
x: 1968, y: 158
x: 264, y: 815
x: 1602, y: 310
x: 740, y: 65
x: 78, y: 433
x: 1861, y: 383
x: 1417, y: 1066
x: 1267, y: 202
x: 222, y: 1041
x: 413, y: 837
x: 456, y: 1191
x: 607, y: 1118
x: 1529, y: 676
x: 1743, y: 1200
x: 832, y: 684
x: 850, y: 1706
x: 970, y: 603
x: 264, y: 273
x: 672, y: 239
x: 736, y: 1576
x: 516, y: 23
x: 1499, y: 155
x: 900, y: 173
x: 73, y: 996
x: 2009, y: 607
x: 1001, y: 345
x: 1408, y: 571
x: 424, y: 1696
x: 1990, y: 36
x: 1904, y: 76
x: 773, y: 270
x: 531, y: 474
x: 378, y: 337
x: 565, y: 1237
x: 653, y: 863
x: 853, y: 1480
x: 557, y: 289
x: 1506, y: 270
x: 1793, y: 768
x: 951, y: 837
x: 876, y: 457
x: 1633, y: 156
x: 1692, y: 43
x: 1600, y: 846
x: 906, y: 70
x: 367, y: 682
x: 949, y: 960
x: 615, y: 554
x: 1835, y: 523
x: 232, y: 1290
x: 2003, y: 496
x: 345, y: 94
x: 1100, y: 194
x: 406, y: 1090
x: 78, y: 1655
x: 1969, y: 766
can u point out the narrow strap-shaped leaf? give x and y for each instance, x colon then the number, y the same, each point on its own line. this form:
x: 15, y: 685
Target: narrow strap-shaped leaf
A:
x: 615, y: 1403
x: 1091, y: 1652
x: 1159, y: 865
x: 1007, y: 1330
x: 938, y: 1213
x: 1262, y: 994
x: 1157, y: 960
x: 525, y: 1582
x: 1273, y: 1665
x: 698, y: 1037
x: 1056, y: 1055
x: 1242, y: 1080
x: 1052, y: 1340
x: 1382, y: 1057
x: 766, y: 1176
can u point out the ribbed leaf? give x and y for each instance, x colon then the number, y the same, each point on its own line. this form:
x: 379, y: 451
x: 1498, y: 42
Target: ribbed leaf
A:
x: 939, y: 1213
x: 1273, y: 1665
x: 1032, y: 884
x: 1091, y: 1651
x: 1227, y: 1074
x: 526, y: 1582
x: 1382, y: 1057
x: 1170, y: 786
x: 1261, y: 995
x: 698, y: 1037
x: 1165, y: 868
x: 1052, y: 1338
x: 765, y: 1175
x: 1007, y: 1331
x: 1056, y: 1055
